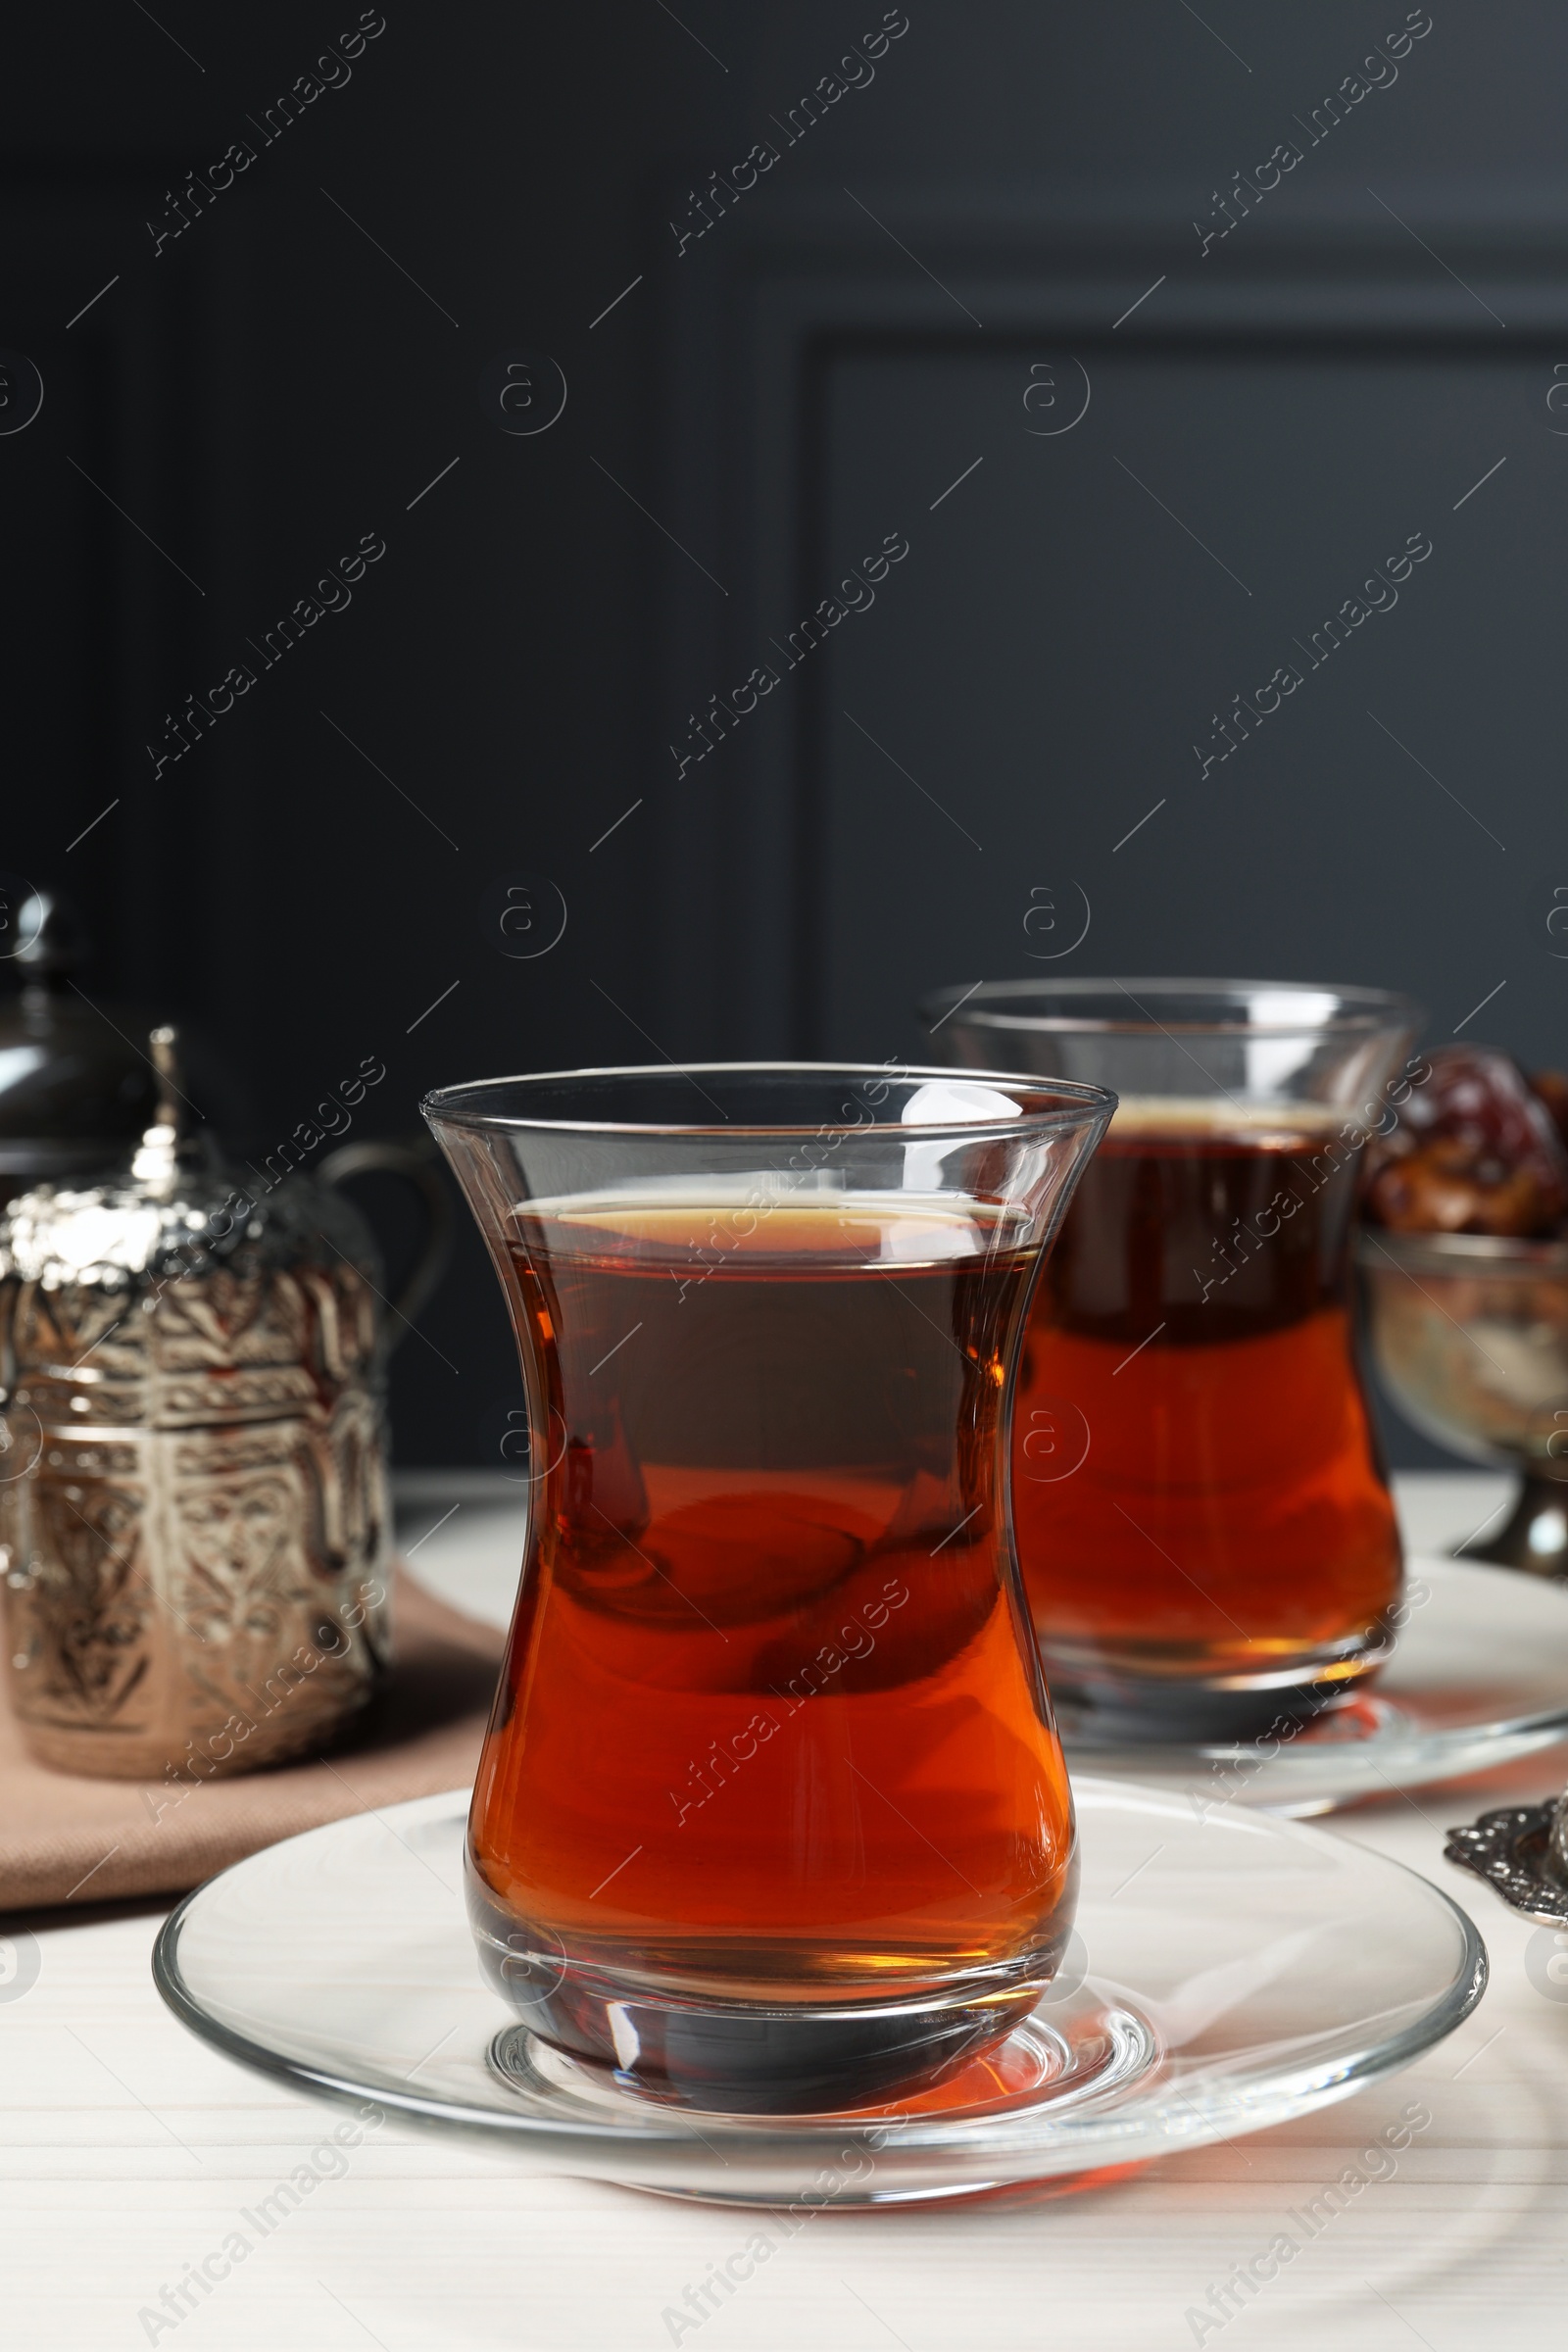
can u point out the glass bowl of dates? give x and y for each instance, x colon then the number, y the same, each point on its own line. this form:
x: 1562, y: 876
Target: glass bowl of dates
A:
x: 1464, y: 1249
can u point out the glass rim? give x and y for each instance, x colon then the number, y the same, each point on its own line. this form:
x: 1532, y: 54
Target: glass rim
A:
x: 1079, y: 1104
x: 1489, y: 1256
x: 1358, y: 1011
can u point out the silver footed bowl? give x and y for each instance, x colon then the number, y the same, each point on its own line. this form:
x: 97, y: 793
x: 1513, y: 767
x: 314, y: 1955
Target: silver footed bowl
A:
x: 1470, y: 1333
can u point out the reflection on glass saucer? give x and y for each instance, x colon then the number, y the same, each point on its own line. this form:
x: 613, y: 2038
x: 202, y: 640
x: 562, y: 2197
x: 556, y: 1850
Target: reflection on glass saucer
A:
x: 1229, y: 1971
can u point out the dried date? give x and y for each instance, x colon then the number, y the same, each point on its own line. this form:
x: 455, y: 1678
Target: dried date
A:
x: 1477, y: 1150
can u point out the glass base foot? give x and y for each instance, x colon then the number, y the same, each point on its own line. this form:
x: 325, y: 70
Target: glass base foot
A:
x: 781, y: 2062
x: 1101, y: 1704
x: 1063, y: 2052
x: 754, y: 2043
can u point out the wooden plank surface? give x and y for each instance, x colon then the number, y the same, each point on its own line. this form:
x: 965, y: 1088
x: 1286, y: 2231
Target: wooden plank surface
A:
x: 131, y: 2152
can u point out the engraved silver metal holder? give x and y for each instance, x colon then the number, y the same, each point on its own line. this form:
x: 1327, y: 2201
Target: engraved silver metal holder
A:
x: 193, y: 1495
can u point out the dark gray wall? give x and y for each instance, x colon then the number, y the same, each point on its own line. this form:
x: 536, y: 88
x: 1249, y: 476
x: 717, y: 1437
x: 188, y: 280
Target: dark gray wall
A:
x: 778, y: 396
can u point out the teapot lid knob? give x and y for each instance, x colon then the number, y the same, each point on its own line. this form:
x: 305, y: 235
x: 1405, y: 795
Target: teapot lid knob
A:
x: 157, y: 1160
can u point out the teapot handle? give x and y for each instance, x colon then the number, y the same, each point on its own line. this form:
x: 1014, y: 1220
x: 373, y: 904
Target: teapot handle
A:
x: 417, y: 1165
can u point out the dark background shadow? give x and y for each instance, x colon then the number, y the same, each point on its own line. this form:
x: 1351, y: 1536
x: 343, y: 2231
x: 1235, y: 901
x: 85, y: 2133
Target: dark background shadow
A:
x: 886, y: 330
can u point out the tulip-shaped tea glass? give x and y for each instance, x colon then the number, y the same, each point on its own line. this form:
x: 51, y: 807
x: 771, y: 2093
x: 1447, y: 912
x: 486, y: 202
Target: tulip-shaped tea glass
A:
x: 1206, y: 1534
x: 771, y: 1813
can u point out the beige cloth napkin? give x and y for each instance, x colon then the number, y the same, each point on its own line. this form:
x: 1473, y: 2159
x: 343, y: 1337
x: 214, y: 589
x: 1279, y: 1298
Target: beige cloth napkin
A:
x: 67, y: 1839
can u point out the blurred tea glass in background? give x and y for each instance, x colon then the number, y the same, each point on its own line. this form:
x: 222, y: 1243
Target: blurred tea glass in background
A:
x: 1203, y: 1517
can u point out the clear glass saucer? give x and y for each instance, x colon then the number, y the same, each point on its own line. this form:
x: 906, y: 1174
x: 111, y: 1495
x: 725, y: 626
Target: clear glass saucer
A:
x: 1479, y: 1677
x: 1229, y: 1971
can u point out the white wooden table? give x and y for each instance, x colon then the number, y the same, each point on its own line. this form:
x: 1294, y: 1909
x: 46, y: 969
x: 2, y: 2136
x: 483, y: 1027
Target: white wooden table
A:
x: 132, y: 2152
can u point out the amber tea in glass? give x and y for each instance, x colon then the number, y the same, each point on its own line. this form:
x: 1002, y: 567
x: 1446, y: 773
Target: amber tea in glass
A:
x: 1203, y: 1521
x: 772, y: 1813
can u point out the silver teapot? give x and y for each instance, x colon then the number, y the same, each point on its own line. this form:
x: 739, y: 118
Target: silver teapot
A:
x: 193, y: 1495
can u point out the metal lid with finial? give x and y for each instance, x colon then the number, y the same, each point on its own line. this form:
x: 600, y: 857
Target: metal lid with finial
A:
x: 177, y: 1239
